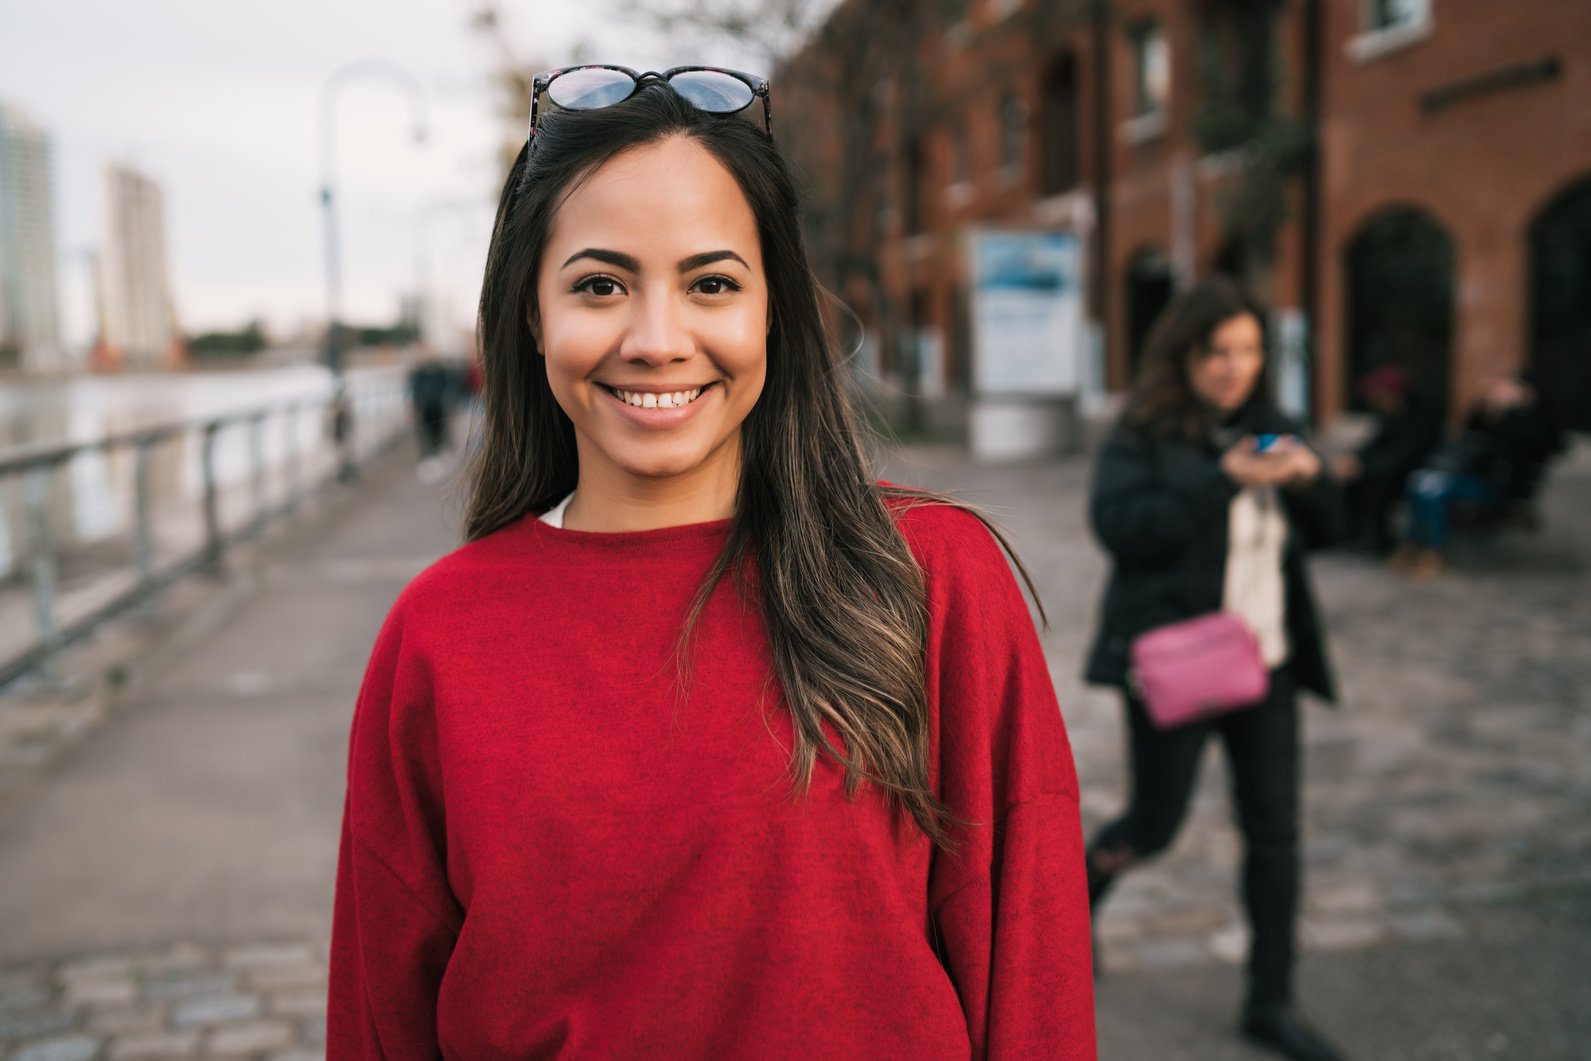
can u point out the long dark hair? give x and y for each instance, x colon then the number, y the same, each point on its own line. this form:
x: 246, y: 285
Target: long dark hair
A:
x: 1161, y: 401
x: 839, y: 590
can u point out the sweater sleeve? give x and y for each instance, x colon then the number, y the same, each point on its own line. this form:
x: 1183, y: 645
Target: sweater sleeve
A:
x: 1009, y: 904
x: 1149, y: 513
x: 395, y: 917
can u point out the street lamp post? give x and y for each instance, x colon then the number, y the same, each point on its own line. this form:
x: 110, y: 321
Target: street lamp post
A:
x: 328, y: 168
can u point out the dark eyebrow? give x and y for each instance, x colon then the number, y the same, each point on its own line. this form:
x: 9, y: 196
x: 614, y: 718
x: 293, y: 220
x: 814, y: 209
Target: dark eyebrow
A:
x: 696, y: 261
x: 623, y: 261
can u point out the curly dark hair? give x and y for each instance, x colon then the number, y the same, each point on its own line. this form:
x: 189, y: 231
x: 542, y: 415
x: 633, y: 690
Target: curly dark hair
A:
x: 1161, y: 401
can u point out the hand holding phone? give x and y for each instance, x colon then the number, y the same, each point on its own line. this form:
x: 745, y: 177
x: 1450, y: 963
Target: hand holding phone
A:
x: 1271, y: 460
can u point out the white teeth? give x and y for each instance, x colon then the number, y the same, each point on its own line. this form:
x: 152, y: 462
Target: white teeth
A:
x: 649, y: 400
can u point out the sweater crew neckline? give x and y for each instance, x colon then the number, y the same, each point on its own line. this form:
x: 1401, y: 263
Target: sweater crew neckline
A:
x: 712, y: 532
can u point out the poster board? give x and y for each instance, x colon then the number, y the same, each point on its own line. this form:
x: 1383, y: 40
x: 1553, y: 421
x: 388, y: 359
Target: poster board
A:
x: 1028, y: 332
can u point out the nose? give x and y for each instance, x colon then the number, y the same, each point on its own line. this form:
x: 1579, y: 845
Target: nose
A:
x: 657, y: 333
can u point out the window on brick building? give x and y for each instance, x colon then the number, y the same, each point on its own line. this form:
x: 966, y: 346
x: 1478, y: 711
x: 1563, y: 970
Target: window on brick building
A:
x: 913, y: 174
x: 1393, y: 14
x: 1149, y: 286
x: 1059, y: 167
x: 1013, y: 135
x: 1151, y: 69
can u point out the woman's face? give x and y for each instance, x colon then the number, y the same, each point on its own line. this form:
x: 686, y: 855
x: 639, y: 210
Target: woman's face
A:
x: 1224, y: 373
x: 652, y: 315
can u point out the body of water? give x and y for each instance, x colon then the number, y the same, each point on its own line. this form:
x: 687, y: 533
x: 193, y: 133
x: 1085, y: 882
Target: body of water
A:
x: 92, y: 495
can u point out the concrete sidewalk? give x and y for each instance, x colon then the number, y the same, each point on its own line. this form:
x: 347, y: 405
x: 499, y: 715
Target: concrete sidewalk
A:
x: 165, y: 886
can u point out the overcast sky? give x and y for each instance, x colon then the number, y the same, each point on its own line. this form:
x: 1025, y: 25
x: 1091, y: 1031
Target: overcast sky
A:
x: 219, y: 101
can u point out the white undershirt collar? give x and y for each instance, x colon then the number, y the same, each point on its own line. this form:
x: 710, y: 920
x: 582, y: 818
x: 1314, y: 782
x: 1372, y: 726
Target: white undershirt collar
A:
x: 553, y: 517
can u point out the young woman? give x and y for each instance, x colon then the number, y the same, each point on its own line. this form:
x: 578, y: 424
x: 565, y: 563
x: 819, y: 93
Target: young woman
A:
x: 1197, y: 518
x: 705, y: 745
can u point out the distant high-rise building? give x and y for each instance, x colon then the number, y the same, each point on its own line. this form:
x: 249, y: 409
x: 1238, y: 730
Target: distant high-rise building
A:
x: 137, y: 319
x: 30, y: 331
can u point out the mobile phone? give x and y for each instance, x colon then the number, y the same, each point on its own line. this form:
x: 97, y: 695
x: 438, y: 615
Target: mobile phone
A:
x: 1265, y: 442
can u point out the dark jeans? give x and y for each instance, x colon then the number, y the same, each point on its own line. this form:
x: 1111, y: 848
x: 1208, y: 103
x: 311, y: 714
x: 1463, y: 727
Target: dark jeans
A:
x: 431, y: 421
x: 1431, y: 497
x: 1262, y: 752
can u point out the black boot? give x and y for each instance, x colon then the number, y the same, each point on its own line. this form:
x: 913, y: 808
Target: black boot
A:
x: 1280, y: 1028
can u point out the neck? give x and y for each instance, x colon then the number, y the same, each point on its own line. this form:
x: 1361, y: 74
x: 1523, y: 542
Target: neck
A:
x: 611, y: 503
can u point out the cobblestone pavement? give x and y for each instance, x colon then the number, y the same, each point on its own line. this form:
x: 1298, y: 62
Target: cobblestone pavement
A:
x: 182, y: 1001
x: 1453, y: 782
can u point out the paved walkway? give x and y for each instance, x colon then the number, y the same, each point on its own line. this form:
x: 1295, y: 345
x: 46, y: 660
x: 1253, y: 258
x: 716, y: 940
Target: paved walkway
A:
x: 165, y: 884
x: 1447, y: 907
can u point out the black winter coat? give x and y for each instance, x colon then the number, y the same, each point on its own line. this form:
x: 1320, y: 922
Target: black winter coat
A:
x: 1160, y: 508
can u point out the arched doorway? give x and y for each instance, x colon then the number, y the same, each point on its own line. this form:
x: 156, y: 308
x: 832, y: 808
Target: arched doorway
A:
x: 1400, y: 301
x: 1560, y: 304
x: 1149, y: 287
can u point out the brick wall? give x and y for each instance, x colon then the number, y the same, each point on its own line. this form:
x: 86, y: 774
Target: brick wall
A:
x: 1481, y: 165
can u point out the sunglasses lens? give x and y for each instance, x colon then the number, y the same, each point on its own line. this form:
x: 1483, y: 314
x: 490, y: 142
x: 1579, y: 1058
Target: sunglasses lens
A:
x: 590, y: 88
x: 712, y: 91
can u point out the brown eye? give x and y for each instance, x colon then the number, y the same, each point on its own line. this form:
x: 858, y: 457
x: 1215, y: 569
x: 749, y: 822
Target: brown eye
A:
x: 715, y: 285
x: 601, y: 286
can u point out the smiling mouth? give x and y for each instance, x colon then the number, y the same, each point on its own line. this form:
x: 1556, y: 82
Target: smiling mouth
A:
x: 656, y: 400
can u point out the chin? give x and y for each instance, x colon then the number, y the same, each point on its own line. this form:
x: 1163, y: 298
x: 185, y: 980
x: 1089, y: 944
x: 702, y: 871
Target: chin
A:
x: 660, y: 467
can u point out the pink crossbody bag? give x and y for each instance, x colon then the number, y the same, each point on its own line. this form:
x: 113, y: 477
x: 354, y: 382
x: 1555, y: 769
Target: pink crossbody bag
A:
x: 1197, y: 669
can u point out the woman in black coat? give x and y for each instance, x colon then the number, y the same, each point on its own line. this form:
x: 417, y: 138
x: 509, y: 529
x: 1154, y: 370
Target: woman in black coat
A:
x: 1206, y: 499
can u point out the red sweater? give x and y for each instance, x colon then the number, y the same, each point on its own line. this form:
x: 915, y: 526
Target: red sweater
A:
x: 549, y: 851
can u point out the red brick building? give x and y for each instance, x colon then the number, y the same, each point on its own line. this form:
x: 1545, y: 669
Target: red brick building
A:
x: 1401, y: 180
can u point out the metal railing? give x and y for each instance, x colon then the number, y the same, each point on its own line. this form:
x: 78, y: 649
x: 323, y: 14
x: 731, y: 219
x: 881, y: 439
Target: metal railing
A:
x: 377, y: 417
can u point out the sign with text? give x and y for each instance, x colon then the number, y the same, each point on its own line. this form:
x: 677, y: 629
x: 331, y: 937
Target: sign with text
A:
x: 1027, y: 311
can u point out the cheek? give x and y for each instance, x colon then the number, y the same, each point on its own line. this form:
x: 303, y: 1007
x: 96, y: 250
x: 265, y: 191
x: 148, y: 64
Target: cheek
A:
x: 1251, y: 368
x: 572, y: 342
x: 754, y: 327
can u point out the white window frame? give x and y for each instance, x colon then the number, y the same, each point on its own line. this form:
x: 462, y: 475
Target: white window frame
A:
x: 1140, y: 56
x: 1375, y: 42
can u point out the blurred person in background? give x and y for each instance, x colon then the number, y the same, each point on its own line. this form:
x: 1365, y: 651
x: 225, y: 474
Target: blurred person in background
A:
x: 1491, y: 471
x: 706, y: 745
x: 341, y: 428
x: 1198, y: 519
x: 430, y: 394
x: 1408, y: 428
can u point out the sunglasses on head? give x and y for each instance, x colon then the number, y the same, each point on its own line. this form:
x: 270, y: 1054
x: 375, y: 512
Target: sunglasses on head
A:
x: 592, y: 87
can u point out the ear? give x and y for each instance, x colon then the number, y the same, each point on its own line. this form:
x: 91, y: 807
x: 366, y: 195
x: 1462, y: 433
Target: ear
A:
x: 533, y: 322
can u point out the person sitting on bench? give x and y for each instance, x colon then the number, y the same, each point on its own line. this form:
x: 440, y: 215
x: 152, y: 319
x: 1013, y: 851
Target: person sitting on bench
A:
x: 1493, y: 467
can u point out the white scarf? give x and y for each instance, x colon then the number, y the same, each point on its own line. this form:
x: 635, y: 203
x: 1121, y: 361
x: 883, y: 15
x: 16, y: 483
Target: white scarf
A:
x: 1254, y: 590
